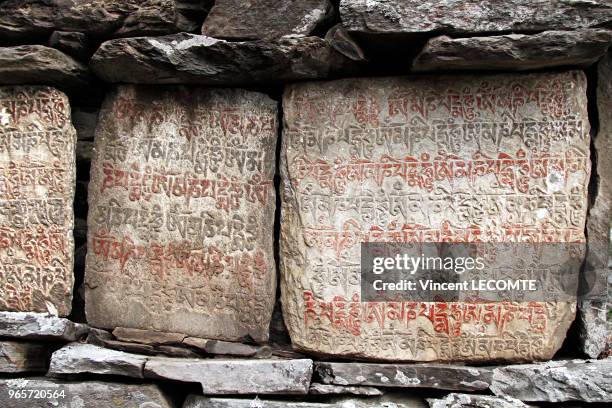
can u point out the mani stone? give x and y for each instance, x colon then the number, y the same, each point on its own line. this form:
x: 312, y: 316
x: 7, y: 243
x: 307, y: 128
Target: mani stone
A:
x: 592, y: 305
x: 439, y: 376
x: 81, y: 394
x: 24, y: 20
x: 428, y: 159
x: 556, y: 381
x: 475, y: 401
x: 83, y: 358
x: 235, y: 376
x: 418, y: 17
x: 196, y: 59
x: 181, y: 215
x: 265, y: 19
x: 37, y: 177
x: 515, y: 52
x: 39, y: 326
x: 20, y: 357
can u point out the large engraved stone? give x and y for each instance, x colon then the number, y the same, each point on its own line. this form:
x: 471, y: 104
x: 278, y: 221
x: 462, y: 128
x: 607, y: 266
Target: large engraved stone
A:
x: 437, y: 159
x: 37, y: 173
x: 181, y: 213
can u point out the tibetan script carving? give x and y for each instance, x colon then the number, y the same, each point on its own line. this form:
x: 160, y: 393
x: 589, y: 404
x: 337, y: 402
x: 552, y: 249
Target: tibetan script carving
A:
x: 500, y: 158
x: 37, y: 174
x: 181, y: 213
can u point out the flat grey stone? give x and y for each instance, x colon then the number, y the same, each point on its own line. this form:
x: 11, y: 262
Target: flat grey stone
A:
x: 197, y: 401
x: 21, y: 357
x: 475, y: 401
x: 265, y: 19
x: 150, y: 337
x: 329, y: 389
x: 235, y: 376
x: 556, y: 381
x: 81, y: 394
x: 439, y: 376
x: 196, y: 59
x: 81, y: 358
x: 410, y: 17
x: 40, y: 65
x: 39, y: 326
x: 515, y: 52
x: 222, y: 347
x: 23, y: 20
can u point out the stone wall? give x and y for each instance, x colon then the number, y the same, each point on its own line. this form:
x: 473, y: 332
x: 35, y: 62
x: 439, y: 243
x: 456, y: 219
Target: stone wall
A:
x: 185, y: 186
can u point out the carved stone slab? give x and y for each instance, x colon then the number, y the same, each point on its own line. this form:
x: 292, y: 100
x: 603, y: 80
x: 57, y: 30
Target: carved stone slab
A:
x: 500, y: 158
x: 37, y: 174
x: 181, y: 213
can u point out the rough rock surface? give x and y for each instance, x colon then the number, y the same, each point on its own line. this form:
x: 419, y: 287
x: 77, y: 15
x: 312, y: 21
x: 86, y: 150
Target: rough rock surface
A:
x: 37, y: 64
x: 265, y: 19
x: 235, y: 376
x: 329, y: 389
x: 23, y: 20
x: 364, y: 160
x: 181, y: 182
x: 342, y: 42
x: 197, y: 401
x: 37, y: 177
x: 556, y: 381
x: 82, y: 394
x: 147, y: 336
x: 515, y: 52
x: 592, y: 305
x: 197, y: 59
x: 20, y: 357
x: 71, y: 43
x: 475, y: 401
x: 82, y: 358
x: 439, y: 376
x: 39, y: 326
x: 471, y: 16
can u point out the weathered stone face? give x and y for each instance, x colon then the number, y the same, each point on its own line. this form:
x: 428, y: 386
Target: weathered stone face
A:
x: 21, y: 20
x: 182, y: 211
x: 411, y: 17
x: 37, y: 173
x: 437, y: 159
x: 265, y: 19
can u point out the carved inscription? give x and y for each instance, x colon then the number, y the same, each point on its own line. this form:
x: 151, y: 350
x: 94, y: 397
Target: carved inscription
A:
x: 37, y: 173
x: 181, y: 212
x: 441, y: 159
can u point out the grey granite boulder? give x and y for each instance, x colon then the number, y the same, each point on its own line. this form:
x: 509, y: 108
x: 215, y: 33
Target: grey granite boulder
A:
x: 556, y: 381
x: 234, y: 376
x: 514, y: 52
x: 265, y: 19
x: 196, y: 59
x: 37, y: 64
x: 39, y: 326
x: 23, y: 20
x: 81, y: 394
x: 80, y: 358
x: 418, y: 17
